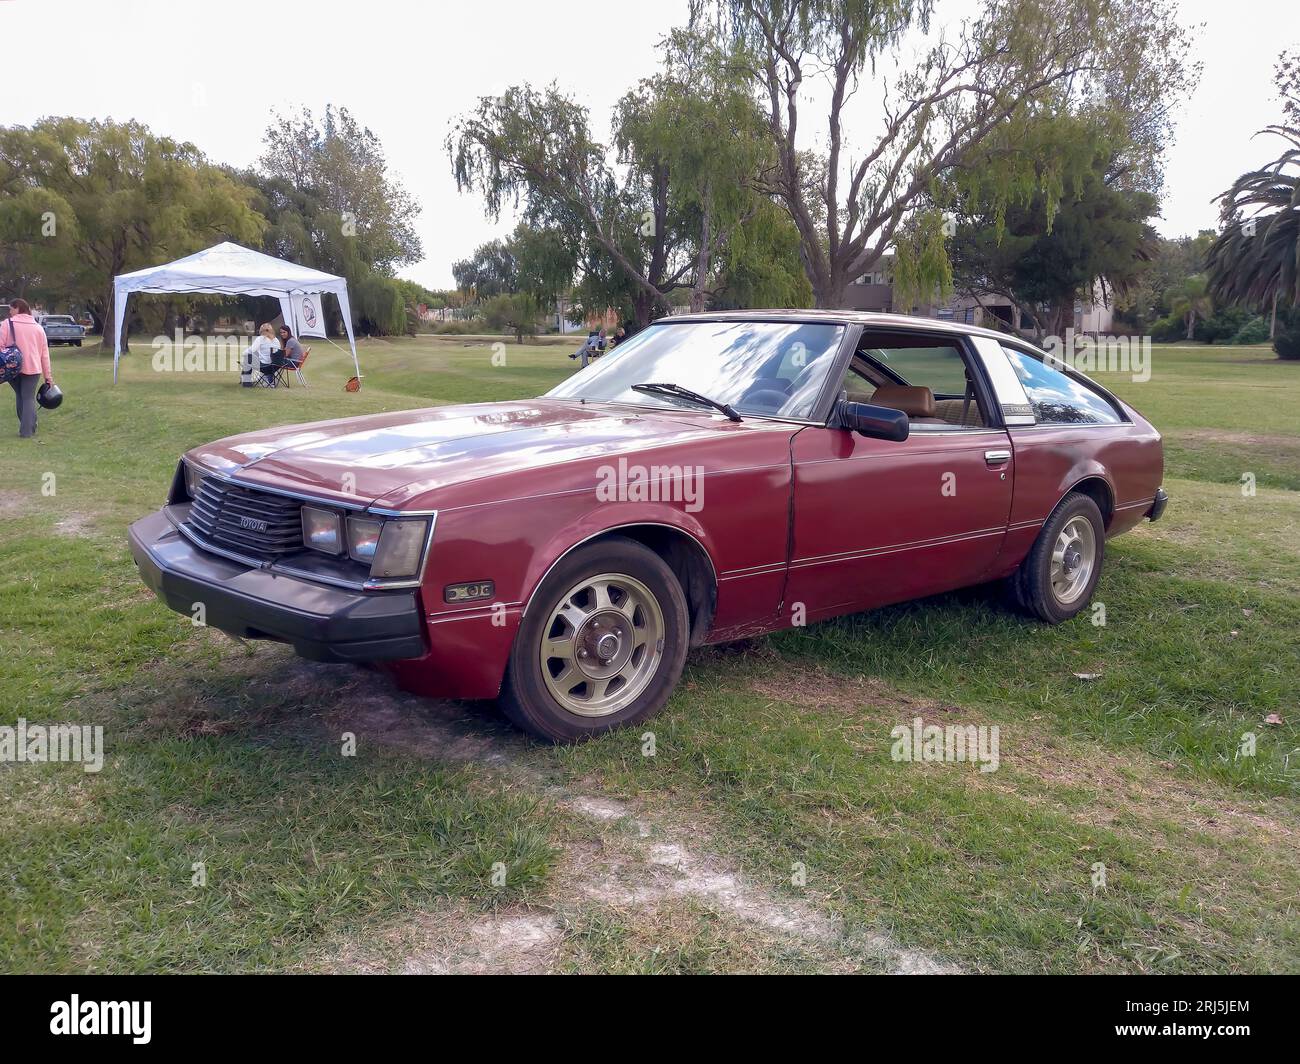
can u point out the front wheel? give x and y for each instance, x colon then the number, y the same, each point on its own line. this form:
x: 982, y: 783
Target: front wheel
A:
x: 602, y: 644
x: 1057, y: 578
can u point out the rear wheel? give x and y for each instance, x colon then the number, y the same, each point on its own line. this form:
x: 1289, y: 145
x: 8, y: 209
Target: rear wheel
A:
x: 602, y: 645
x: 1057, y: 578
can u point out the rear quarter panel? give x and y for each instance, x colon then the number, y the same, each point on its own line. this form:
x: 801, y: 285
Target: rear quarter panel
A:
x: 1051, y: 459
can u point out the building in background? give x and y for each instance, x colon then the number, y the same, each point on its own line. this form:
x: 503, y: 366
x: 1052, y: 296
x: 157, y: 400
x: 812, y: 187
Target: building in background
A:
x: 875, y: 292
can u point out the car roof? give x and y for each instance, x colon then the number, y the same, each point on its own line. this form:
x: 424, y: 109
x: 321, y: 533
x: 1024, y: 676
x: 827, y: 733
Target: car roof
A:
x: 875, y: 319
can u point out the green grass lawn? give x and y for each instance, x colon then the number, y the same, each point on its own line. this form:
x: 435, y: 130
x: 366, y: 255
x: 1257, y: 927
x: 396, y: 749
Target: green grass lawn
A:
x: 771, y: 755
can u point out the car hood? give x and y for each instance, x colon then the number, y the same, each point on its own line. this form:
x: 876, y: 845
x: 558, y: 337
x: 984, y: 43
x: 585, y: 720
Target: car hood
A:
x: 400, y: 459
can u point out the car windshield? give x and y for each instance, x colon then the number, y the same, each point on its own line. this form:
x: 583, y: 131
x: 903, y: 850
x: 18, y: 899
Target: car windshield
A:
x: 775, y: 369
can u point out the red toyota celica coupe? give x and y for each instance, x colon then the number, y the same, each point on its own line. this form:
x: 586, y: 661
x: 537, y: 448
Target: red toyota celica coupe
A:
x: 715, y: 477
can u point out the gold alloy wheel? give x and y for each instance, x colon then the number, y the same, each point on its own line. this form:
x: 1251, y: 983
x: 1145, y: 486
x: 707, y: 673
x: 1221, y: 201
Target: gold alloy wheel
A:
x: 1074, y: 556
x: 602, y: 645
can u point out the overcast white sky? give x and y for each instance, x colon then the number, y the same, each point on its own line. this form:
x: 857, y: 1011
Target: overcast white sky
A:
x: 212, y: 73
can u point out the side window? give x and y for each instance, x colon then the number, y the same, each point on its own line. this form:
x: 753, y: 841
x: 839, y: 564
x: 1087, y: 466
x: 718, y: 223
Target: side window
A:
x: 940, y: 369
x: 1058, y: 400
x: 923, y: 375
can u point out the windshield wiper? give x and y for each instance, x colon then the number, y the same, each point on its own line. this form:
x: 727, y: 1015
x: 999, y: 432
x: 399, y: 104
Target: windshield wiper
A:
x: 686, y: 393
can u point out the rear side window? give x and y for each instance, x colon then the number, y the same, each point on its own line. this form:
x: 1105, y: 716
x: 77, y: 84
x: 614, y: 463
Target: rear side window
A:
x: 939, y: 368
x: 1056, y: 398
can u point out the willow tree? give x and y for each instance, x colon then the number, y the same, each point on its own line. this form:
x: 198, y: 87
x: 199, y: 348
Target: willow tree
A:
x: 934, y: 97
x: 125, y: 198
x: 657, y: 207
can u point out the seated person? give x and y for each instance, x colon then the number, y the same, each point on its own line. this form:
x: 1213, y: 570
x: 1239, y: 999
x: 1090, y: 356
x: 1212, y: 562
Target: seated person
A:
x: 591, y: 349
x: 260, y: 353
x: 291, y: 347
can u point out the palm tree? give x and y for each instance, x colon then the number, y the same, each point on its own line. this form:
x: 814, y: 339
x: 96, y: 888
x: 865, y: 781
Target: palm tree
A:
x: 1256, y: 259
x: 1192, y: 300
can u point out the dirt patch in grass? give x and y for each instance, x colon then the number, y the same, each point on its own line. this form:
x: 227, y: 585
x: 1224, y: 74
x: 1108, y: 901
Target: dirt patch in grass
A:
x: 1118, y: 785
x: 1252, y: 439
x: 370, y: 707
x: 816, y: 689
x: 48, y: 794
x: 75, y: 525
x: 455, y: 941
x: 624, y: 898
x: 12, y: 504
x: 621, y: 865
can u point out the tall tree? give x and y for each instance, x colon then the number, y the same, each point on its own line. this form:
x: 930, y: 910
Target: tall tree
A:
x: 337, y: 201
x: 545, y: 260
x: 694, y: 126
x: 513, y: 312
x: 850, y: 194
x: 1081, y: 233
x: 332, y: 204
x: 490, y: 271
x: 128, y: 199
x: 655, y: 210
x: 1192, y: 300
x: 1098, y: 244
x: 1256, y: 258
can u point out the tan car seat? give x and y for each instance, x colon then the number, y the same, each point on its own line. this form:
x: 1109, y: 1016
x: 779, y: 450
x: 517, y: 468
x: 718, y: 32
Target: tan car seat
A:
x: 917, y: 403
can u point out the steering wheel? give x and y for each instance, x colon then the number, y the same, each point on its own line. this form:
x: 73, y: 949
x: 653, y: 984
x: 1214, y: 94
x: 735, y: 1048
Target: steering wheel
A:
x: 768, y: 400
x: 795, y: 390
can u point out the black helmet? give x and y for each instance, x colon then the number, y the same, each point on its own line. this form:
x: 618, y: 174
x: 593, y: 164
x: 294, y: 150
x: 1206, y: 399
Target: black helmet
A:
x: 49, y: 396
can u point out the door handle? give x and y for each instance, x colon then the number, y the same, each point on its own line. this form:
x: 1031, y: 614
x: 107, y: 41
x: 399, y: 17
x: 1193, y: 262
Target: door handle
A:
x: 995, y: 458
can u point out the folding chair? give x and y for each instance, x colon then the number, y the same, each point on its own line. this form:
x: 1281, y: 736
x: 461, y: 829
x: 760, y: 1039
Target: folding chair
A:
x: 297, y: 370
x: 273, y: 376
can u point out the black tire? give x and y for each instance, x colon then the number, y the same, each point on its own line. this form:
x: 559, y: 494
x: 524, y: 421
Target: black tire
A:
x: 76, y: 343
x: 525, y: 696
x: 1031, y: 584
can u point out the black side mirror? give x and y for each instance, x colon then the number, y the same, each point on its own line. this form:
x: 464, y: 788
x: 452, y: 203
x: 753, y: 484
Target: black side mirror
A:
x: 878, y: 422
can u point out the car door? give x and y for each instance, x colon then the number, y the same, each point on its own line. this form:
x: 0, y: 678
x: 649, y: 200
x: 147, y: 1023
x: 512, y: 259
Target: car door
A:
x: 877, y: 521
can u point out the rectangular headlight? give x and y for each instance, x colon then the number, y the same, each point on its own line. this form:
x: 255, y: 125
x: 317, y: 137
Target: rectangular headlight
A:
x: 193, y: 480
x: 401, y: 546
x: 322, y: 530
x: 363, y: 538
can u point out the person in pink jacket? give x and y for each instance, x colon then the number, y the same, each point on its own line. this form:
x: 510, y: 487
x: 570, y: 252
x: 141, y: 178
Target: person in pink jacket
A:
x: 20, y: 330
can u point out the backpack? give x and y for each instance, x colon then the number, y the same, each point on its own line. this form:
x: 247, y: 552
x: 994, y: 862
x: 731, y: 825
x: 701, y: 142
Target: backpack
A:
x: 11, y: 358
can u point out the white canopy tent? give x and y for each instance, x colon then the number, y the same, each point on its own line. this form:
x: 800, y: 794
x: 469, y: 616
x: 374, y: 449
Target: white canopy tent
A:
x: 231, y: 269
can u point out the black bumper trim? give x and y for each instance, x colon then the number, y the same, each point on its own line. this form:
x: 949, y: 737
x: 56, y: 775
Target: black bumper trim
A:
x: 320, y: 623
x: 1158, y: 507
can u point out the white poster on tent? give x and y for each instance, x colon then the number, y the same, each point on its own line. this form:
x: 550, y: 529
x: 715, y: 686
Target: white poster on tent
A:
x: 309, y: 316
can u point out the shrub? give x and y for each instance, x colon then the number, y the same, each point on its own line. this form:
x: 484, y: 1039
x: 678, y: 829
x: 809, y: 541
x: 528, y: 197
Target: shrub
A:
x: 1287, y: 341
x: 1221, y: 326
x: 454, y: 327
x: 1169, y: 329
x: 1254, y: 331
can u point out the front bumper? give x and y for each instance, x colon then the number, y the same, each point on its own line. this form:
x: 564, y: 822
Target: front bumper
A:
x: 321, y: 623
x: 1158, y: 507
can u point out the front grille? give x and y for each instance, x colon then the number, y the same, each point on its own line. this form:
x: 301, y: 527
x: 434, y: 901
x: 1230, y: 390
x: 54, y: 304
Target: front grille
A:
x: 246, y: 521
